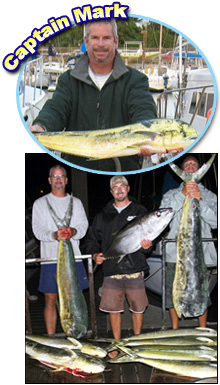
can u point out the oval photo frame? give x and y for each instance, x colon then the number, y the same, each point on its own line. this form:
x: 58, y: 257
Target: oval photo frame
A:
x: 20, y: 90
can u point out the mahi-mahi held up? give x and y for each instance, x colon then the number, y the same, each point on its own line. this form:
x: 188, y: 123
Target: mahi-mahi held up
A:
x: 157, y: 135
x: 190, y: 286
x: 72, y: 305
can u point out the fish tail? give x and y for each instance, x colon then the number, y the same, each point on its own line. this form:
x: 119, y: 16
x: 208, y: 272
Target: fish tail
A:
x: 195, y: 176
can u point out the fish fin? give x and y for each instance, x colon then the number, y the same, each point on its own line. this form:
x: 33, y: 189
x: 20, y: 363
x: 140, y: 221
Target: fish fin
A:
x: 76, y: 343
x: 120, y: 258
x: 195, y: 176
x: 78, y: 373
x: 205, y: 329
x: 202, y: 347
x: 204, y: 339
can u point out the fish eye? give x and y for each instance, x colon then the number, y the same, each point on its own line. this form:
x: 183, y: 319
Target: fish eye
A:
x: 158, y: 214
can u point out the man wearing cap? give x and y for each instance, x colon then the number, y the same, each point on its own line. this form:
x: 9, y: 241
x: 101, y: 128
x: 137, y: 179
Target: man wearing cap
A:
x: 127, y: 277
x: 208, y: 210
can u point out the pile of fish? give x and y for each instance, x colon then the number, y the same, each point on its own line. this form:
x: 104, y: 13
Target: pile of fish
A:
x: 186, y: 352
x: 190, y: 286
x: 68, y: 354
x: 156, y: 135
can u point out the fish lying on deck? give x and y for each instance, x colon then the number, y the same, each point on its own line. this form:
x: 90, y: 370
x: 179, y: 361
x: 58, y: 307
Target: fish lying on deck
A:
x: 201, y: 353
x: 183, y: 368
x: 69, y: 343
x: 157, y: 135
x: 169, y: 341
x: 190, y: 286
x: 74, y: 362
x: 148, y: 226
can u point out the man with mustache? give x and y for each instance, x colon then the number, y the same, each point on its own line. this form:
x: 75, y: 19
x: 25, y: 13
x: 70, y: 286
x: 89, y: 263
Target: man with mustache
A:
x: 74, y: 227
x: 100, y: 92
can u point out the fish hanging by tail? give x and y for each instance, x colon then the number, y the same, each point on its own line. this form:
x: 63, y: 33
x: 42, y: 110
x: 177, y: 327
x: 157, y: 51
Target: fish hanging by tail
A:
x: 72, y: 305
x: 190, y: 286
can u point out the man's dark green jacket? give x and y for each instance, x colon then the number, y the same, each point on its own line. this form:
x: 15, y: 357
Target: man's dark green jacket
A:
x: 78, y: 104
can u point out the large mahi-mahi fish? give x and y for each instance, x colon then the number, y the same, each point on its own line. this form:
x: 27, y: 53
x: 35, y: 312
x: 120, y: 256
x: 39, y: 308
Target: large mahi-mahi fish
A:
x: 72, y: 305
x: 157, y: 135
x: 190, y: 286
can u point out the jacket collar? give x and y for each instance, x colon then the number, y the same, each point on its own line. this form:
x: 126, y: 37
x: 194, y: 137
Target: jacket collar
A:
x: 80, y: 71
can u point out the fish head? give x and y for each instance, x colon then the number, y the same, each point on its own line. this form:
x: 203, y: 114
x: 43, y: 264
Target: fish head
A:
x: 156, y: 221
x: 88, y: 364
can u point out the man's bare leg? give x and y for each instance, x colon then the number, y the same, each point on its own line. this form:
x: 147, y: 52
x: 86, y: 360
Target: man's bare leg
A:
x: 137, y: 321
x: 115, y: 321
x: 50, y: 312
x: 203, y: 319
x: 174, y: 318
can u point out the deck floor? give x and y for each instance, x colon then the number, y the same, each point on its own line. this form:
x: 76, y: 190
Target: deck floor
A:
x: 131, y: 373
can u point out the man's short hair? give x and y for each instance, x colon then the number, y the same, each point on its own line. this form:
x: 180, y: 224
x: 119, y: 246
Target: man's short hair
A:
x: 104, y: 21
x: 59, y: 167
x: 186, y: 160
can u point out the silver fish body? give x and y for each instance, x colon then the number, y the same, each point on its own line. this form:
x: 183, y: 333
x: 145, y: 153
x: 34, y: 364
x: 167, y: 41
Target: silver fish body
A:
x: 148, y: 226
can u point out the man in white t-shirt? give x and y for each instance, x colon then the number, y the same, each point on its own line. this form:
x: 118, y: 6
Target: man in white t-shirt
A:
x: 72, y: 214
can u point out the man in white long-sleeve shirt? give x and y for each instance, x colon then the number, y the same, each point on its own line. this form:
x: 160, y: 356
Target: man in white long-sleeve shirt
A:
x: 46, y: 231
x: 208, y: 211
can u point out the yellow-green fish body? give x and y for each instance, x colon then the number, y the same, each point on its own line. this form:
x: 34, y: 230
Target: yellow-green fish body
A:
x: 190, y: 286
x: 72, y: 305
x: 64, y: 359
x: 158, y: 136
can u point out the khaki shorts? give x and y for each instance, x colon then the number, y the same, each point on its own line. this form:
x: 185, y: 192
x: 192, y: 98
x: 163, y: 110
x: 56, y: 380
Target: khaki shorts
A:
x: 116, y: 288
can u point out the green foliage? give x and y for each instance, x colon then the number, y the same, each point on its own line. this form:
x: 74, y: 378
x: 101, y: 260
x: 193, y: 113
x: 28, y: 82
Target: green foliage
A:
x: 128, y: 30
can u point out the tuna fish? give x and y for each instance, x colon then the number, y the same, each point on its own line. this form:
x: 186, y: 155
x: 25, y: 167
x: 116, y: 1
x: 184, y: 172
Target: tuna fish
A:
x: 148, y: 226
x: 157, y: 135
x: 190, y: 286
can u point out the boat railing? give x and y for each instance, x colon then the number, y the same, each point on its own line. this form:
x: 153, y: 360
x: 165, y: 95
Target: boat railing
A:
x: 162, y: 101
x: 32, y: 71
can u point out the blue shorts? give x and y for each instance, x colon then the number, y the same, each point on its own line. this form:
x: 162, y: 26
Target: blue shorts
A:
x: 48, y: 282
